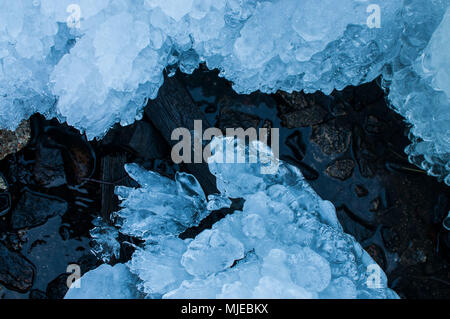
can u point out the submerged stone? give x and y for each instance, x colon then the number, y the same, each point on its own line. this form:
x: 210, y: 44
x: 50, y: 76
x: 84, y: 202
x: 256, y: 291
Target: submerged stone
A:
x: 35, y: 209
x: 16, y: 272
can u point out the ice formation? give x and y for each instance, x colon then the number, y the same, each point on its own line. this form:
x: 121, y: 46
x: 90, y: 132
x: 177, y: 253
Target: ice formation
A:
x: 94, y: 63
x: 285, y: 243
x: 419, y: 85
x: 105, y: 236
x: 106, y: 282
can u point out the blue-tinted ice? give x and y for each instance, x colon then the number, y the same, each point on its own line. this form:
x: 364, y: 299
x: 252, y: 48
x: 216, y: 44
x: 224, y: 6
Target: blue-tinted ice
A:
x: 285, y: 243
x: 95, y: 63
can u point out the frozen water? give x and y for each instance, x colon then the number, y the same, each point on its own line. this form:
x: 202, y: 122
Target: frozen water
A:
x: 148, y: 212
x: 105, y: 282
x: 285, y: 243
x: 105, y: 239
x: 420, y: 88
x: 95, y: 63
x: 212, y: 251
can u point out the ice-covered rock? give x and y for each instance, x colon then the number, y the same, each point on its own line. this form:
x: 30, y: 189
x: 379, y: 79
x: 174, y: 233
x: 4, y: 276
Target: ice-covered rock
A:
x: 95, y: 63
x: 285, y: 243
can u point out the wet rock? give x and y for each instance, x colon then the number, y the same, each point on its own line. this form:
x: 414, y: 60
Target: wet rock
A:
x: 36, y: 243
x: 113, y: 174
x: 16, y: 240
x: 440, y: 209
x: 20, y: 170
x: 35, y: 209
x: 377, y: 254
x: 5, y: 203
x: 83, y: 164
x: 338, y: 109
x: 12, y: 142
x: 374, y: 125
x: 79, y: 156
x: 300, y: 110
x: 304, y: 117
x: 48, y: 170
x: 140, y: 138
x: 57, y: 288
x: 331, y: 138
x: 341, y: 169
x: 361, y: 191
x: 299, y: 99
x: 309, y: 173
x: 352, y: 224
x: 231, y: 118
x: 390, y: 238
x: 423, y: 281
x: 16, y: 272
x: 5, y: 197
x: 446, y: 222
x: 445, y: 242
x: 375, y: 205
x: 413, y: 255
x: 65, y: 232
x: 361, y: 96
x: 3, y: 183
x: 89, y: 262
x: 296, y: 145
x: 37, y: 294
x: 147, y: 142
x: 211, y: 109
x: 428, y: 269
x: 364, y: 154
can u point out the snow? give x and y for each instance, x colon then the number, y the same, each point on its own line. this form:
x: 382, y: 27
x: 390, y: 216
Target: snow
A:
x: 95, y: 63
x: 284, y: 243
